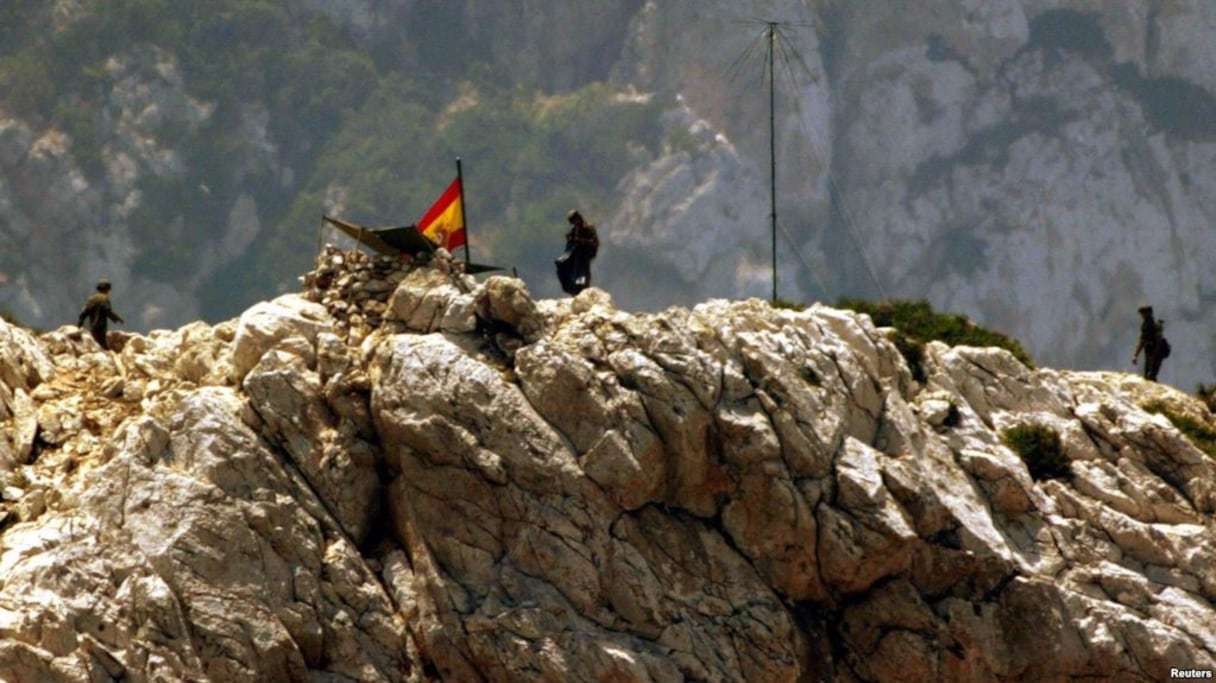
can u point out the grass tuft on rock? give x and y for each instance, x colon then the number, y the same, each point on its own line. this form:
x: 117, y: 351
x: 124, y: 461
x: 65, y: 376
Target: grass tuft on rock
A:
x: 1040, y: 448
x: 1199, y: 432
x: 1207, y: 394
x: 917, y: 324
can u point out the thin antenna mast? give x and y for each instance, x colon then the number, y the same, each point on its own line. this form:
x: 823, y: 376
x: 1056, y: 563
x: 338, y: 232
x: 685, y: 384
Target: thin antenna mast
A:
x: 772, y: 146
x: 774, y: 41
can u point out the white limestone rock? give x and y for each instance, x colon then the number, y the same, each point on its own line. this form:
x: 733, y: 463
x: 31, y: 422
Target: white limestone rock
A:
x: 708, y: 494
x: 268, y: 323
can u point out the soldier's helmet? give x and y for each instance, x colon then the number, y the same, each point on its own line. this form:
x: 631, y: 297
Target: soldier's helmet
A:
x: 1145, y: 310
x: 103, y: 285
x: 574, y: 216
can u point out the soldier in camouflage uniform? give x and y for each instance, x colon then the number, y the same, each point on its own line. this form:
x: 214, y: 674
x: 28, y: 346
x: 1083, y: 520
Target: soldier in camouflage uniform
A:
x: 98, y: 312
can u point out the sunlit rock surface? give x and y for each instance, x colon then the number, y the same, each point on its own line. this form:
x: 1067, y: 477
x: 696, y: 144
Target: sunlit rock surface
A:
x: 564, y: 491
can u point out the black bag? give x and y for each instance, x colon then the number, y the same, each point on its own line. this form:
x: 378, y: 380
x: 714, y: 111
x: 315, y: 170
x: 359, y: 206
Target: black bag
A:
x: 1163, y: 344
x: 574, y: 268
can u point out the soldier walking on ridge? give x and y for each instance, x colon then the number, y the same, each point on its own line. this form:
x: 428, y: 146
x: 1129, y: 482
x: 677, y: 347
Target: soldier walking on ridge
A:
x: 98, y: 312
x: 1152, y: 342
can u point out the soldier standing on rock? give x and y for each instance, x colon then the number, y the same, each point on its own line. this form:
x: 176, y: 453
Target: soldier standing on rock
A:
x: 1152, y: 342
x: 582, y: 245
x: 98, y: 312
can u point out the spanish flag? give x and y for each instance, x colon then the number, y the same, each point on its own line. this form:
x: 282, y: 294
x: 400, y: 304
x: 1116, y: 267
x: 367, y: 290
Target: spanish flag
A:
x: 444, y: 222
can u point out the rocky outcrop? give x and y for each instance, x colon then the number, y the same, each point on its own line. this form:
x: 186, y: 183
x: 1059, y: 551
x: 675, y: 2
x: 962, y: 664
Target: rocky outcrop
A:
x: 1035, y: 164
x: 685, y: 209
x: 488, y: 487
x: 160, y: 534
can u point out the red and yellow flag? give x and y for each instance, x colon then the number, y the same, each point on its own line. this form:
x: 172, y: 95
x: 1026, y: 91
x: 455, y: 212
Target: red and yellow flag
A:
x: 444, y: 222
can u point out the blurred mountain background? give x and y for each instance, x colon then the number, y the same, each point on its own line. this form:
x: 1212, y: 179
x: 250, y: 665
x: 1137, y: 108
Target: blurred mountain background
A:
x: 1043, y: 166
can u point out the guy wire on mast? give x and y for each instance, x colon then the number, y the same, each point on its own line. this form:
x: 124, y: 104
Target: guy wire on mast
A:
x: 778, y: 44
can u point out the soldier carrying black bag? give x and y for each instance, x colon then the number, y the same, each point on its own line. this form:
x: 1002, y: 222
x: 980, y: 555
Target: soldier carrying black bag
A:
x: 1153, y: 342
x: 582, y: 245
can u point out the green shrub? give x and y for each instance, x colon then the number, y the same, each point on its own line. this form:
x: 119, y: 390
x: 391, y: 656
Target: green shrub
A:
x: 1039, y: 447
x: 79, y: 119
x: 680, y: 140
x: 26, y: 83
x: 395, y: 154
x: 1199, y: 432
x: 913, y: 351
x: 786, y: 304
x: 917, y: 323
x: 1207, y: 394
x: 16, y: 18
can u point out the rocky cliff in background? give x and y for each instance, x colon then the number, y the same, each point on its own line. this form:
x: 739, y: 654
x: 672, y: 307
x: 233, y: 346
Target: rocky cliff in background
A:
x: 404, y: 475
x: 1040, y: 165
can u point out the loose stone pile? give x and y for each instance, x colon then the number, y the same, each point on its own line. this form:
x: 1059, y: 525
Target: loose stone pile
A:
x: 355, y: 288
x: 425, y: 294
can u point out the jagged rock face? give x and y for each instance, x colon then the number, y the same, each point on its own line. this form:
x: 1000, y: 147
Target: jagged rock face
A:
x: 1039, y: 182
x: 1036, y: 165
x: 73, y: 224
x: 161, y: 535
x: 40, y: 186
x: 698, y: 216
x: 369, y: 18
x: 685, y: 210
x: 561, y: 46
x: 564, y: 491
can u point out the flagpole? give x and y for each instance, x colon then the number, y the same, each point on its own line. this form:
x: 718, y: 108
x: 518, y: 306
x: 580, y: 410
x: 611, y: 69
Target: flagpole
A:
x: 463, y: 213
x: 320, y: 232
